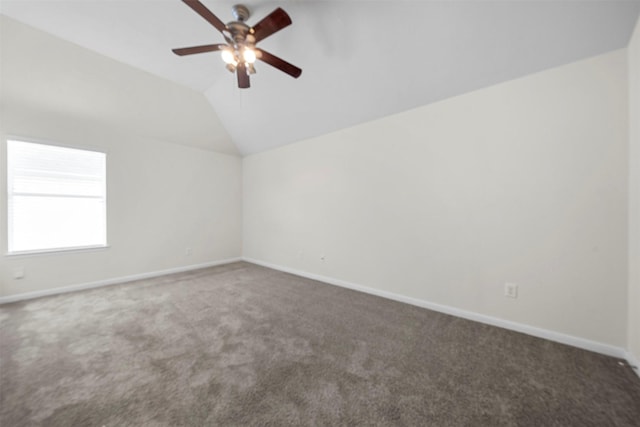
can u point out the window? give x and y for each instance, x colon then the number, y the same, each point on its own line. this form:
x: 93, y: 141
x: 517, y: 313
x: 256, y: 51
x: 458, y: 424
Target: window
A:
x: 56, y: 197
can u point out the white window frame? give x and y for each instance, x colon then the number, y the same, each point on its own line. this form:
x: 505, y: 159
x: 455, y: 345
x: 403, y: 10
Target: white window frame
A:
x: 9, y: 196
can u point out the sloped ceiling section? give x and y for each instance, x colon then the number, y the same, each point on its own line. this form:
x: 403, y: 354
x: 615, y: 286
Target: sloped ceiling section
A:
x: 361, y: 59
x: 365, y: 60
x: 49, y: 75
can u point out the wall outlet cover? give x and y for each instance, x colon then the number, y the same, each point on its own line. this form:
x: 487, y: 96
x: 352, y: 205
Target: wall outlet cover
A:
x: 18, y: 273
x: 511, y: 290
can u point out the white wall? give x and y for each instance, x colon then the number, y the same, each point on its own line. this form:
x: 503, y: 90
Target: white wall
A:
x: 164, y: 195
x: 522, y: 182
x: 634, y: 194
x: 161, y: 199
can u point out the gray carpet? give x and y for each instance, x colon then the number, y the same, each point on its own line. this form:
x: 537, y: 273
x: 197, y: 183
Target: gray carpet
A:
x: 244, y: 345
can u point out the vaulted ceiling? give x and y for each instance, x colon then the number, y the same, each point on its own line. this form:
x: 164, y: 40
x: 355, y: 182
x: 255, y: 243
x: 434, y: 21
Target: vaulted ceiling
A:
x: 361, y: 60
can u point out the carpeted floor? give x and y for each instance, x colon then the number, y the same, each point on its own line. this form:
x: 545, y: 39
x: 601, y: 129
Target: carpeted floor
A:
x: 244, y: 345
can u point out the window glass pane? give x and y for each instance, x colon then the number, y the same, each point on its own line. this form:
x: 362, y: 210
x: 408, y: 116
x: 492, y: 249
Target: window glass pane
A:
x: 28, y: 156
x: 57, y: 197
x: 57, y: 222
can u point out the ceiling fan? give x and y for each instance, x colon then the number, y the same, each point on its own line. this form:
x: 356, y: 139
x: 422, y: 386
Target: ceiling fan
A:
x: 240, y: 51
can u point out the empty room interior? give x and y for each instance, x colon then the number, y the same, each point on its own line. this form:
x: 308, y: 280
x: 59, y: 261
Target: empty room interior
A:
x: 416, y: 213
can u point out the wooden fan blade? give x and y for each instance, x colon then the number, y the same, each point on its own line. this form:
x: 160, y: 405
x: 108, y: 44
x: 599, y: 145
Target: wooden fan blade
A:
x: 243, y: 77
x: 202, y: 10
x: 278, y: 63
x: 275, y: 21
x: 198, y: 49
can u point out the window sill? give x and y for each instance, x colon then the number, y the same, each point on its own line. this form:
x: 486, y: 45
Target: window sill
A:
x: 58, y: 251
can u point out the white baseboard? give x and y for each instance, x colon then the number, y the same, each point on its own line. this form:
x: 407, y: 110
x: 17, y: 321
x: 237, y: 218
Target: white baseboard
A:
x: 633, y: 362
x: 573, y: 341
x: 113, y: 281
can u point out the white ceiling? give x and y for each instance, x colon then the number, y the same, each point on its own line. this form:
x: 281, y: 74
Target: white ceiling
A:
x: 45, y: 76
x: 361, y: 60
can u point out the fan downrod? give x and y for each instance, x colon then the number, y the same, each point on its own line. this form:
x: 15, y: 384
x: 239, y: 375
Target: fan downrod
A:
x: 240, y: 12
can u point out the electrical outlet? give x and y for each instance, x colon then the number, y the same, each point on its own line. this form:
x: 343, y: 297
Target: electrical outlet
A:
x: 188, y: 252
x: 18, y: 273
x: 322, y: 257
x: 511, y: 290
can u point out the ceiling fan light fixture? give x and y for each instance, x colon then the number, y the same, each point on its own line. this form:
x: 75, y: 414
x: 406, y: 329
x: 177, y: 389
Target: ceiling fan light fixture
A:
x: 249, y: 55
x: 228, y: 57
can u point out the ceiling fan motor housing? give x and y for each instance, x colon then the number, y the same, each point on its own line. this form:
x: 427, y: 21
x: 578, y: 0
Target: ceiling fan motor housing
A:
x: 239, y: 32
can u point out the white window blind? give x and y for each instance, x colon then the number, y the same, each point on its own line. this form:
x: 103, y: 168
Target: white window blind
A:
x: 56, y: 197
